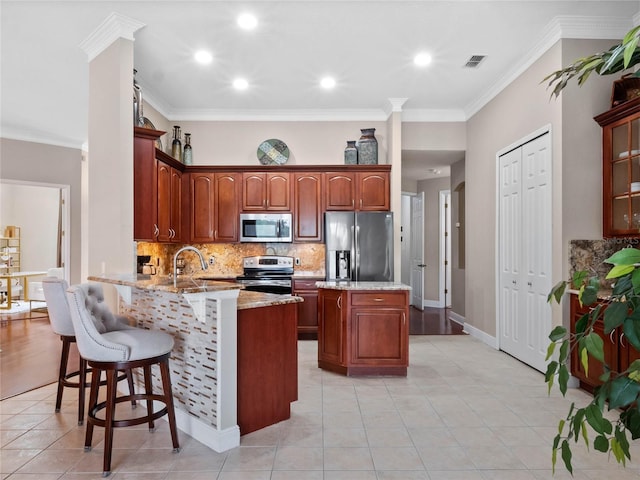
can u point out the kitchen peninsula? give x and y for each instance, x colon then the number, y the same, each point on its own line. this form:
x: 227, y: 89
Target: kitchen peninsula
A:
x: 363, y: 327
x: 234, y: 363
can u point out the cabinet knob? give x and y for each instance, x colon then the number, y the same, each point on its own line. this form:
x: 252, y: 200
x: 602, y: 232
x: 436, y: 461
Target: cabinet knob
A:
x: 529, y: 283
x: 513, y: 281
x: 156, y: 230
x: 339, y: 302
x: 621, y: 341
x: 611, y: 336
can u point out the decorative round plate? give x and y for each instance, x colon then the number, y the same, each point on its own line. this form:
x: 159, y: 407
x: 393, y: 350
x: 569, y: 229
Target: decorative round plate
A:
x: 273, y: 152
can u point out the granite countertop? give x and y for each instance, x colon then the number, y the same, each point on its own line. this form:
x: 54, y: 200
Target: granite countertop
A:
x: 164, y: 283
x: 348, y: 285
x: 248, y: 299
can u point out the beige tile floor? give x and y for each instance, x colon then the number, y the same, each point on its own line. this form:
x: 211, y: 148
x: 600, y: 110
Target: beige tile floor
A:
x: 465, y: 412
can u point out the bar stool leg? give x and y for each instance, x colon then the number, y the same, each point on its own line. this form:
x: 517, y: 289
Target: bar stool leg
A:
x: 132, y: 390
x: 64, y: 358
x: 82, y: 384
x: 110, y: 410
x: 168, y: 400
x: 148, y: 390
x: 93, y: 401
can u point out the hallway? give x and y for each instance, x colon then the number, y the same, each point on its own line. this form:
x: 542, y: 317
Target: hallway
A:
x: 432, y: 321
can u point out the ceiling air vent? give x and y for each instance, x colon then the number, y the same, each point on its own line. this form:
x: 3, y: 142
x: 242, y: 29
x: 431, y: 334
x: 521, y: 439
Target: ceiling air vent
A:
x: 474, y: 61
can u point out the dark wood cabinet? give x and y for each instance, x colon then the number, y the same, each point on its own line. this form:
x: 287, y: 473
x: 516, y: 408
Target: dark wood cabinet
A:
x: 267, y: 365
x: 169, y: 213
x: 265, y: 191
x: 360, y: 191
x: 621, y: 169
x: 307, y: 207
x: 618, y: 354
x: 145, y: 185
x: 307, y: 310
x: 363, y: 332
x: 214, y: 207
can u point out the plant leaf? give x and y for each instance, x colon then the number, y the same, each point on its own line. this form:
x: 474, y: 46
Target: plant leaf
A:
x: 584, y: 360
x: 631, y: 329
x: 550, y: 349
x: 625, y: 256
x: 629, y: 50
x: 614, y: 315
x: 579, y: 277
x: 566, y: 455
x: 621, y: 437
x: 557, y: 333
x: 619, y: 271
x: 601, y: 443
x: 594, y: 417
x: 563, y: 379
x: 624, y: 391
x: 564, y: 351
x: 595, y: 346
x: 557, y: 291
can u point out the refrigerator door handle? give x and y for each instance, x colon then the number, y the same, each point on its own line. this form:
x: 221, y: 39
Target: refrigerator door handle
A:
x: 356, y: 240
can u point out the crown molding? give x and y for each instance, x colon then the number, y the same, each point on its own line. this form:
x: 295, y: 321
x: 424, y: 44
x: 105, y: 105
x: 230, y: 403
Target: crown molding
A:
x: 561, y: 27
x: 394, y: 105
x: 433, y: 115
x: 279, y: 115
x: 24, y: 135
x: 113, y: 27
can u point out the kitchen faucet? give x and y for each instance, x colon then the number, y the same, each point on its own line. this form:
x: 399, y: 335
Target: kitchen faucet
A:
x: 203, y: 262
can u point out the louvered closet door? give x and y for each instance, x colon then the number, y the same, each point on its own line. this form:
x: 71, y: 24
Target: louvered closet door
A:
x: 525, y: 251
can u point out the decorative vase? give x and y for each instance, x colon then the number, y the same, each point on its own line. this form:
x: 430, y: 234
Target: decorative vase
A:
x: 351, y: 153
x: 176, y: 144
x: 367, y: 147
x: 138, y: 117
x: 187, y: 151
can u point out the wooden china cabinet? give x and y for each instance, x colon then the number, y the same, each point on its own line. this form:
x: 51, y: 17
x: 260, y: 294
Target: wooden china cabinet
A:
x: 621, y: 169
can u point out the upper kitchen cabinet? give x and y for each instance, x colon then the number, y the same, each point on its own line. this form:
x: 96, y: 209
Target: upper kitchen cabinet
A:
x: 263, y: 191
x: 361, y: 191
x: 307, y: 207
x: 169, y: 216
x: 621, y: 169
x: 214, y: 207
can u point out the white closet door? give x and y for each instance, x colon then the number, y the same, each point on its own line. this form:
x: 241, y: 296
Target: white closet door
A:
x: 525, y: 251
x: 509, y: 251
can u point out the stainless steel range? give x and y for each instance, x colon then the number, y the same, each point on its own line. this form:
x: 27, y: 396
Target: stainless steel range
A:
x: 267, y: 273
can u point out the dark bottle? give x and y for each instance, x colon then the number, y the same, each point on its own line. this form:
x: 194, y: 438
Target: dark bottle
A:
x: 176, y: 144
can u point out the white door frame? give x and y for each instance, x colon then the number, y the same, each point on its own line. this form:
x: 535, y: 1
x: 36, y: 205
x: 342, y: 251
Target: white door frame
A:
x: 444, y: 275
x: 417, y: 294
x: 531, y: 136
x: 405, y: 236
x: 65, y: 218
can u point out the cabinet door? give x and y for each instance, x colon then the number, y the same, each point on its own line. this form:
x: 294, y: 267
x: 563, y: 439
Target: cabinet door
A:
x: 227, y: 193
x: 307, y: 207
x: 331, y: 328
x: 373, y: 191
x: 164, y: 202
x: 254, y: 196
x: 145, y: 184
x: 307, y: 310
x: 202, y: 207
x: 176, y: 206
x: 340, y: 191
x: 610, y: 347
x: 277, y: 191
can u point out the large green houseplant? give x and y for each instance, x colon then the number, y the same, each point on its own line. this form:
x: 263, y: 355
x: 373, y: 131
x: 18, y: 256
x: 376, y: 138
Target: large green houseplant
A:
x: 619, y: 390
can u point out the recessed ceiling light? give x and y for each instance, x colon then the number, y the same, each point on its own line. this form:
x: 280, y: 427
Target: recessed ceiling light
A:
x: 328, y: 83
x: 240, y: 84
x: 422, y: 59
x: 203, y: 57
x: 247, y: 21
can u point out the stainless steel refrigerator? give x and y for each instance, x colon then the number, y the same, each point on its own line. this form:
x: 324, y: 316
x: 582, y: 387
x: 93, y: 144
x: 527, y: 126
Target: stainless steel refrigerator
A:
x: 359, y: 246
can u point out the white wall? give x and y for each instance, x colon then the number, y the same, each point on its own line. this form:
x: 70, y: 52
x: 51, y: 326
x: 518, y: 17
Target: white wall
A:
x: 35, y: 210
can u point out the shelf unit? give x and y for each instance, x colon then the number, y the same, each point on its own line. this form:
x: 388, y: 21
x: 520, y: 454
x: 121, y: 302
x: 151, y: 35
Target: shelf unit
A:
x: 10, y: 253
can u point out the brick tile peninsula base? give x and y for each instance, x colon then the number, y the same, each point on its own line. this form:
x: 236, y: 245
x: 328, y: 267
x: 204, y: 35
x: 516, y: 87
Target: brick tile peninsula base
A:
x: 234, y: 364
x: 363, y: 328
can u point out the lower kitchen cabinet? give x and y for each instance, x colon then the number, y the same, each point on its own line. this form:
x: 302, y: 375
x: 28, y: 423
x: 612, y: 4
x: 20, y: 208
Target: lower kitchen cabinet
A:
x: 618, y: 354
x: 363, y: 332
x: 307, y: 310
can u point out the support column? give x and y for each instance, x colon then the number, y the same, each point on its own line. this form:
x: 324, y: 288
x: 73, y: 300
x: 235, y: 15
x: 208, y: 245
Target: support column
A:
x: 394, y: 127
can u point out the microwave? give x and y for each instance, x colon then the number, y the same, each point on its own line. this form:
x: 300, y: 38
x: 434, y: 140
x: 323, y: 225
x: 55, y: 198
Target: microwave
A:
x: 266, y: 227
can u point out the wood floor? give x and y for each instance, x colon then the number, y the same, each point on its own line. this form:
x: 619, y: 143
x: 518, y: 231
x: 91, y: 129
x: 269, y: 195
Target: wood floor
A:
x: 30, y: 353
x: 432, y: 321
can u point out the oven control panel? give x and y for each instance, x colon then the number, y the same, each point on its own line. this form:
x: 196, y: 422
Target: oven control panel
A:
x: 268, y: 262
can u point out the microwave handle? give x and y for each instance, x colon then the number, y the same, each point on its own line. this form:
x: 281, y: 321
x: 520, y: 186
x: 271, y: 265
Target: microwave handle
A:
x: 278, y: 225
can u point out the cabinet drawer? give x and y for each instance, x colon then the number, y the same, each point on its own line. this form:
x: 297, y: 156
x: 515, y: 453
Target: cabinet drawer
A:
x: 378, y: 298
x: 305, y: 284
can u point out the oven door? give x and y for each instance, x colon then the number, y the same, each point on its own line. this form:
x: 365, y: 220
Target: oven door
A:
x: 280, y: 287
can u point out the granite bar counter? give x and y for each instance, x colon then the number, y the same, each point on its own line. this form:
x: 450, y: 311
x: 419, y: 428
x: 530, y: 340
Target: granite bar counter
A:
x: 227, y: 341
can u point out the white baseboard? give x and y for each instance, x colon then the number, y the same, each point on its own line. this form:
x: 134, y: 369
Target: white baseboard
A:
x: 454, y: 317
x: 480, y: 335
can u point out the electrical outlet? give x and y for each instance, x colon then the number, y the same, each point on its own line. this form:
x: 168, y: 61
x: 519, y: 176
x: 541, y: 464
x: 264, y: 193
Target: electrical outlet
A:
x: 297, y: 261
x: 212, y: 260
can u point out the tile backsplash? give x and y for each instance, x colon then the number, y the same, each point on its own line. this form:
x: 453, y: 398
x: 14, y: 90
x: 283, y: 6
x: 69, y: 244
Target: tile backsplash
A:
x: 228, y: 256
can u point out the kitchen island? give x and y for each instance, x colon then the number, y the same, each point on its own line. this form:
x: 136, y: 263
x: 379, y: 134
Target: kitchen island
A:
x: 363, y: 327
x: 234, y: 362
